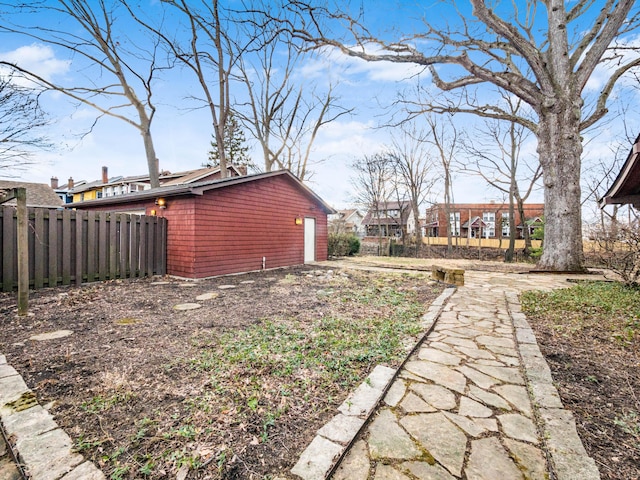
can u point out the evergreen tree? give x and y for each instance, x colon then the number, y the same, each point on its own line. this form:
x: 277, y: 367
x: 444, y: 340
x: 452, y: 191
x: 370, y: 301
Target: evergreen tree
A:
x: 236, y: 150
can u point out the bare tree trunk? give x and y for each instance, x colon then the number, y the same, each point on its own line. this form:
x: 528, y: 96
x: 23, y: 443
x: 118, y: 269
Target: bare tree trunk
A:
x: 149, y: 149
x: 560, y: 147
x: 415, y: 210
x: 525, y: 227
x: 447, y: 210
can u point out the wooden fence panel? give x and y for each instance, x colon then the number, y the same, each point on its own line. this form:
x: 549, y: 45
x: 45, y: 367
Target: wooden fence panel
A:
x: 68, y: 247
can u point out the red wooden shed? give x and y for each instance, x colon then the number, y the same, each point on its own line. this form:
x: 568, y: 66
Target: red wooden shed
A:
x: 233, y: 225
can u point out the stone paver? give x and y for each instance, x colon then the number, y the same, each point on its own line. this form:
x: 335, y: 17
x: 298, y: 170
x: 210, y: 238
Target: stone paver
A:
x: 51, y: 335
x: 463, y: 404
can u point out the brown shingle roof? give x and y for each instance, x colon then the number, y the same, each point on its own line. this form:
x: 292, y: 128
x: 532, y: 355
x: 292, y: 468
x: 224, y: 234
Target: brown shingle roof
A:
x: 38, y: 194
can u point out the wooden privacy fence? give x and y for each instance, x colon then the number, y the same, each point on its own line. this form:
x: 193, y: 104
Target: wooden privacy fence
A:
x: 68, y: 247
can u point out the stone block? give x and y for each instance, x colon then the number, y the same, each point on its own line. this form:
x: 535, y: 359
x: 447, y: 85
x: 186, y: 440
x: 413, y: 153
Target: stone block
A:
x: 11, y: 388
x: 29, y: 423
x: 365, y: 398
x: 453, y: 276
x: 48, y: 456
x: 317, y: 459
x: 84, y: 471
x: 341, y: 428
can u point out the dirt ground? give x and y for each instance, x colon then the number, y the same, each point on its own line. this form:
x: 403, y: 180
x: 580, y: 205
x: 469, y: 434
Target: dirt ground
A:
x: 600, y: 383
x: 132, y: 388
x: 126, y: 385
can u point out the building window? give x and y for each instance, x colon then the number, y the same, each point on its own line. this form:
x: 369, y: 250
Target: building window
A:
x: 489, y: 218
x: 454, y: 224
x: 505, y: 224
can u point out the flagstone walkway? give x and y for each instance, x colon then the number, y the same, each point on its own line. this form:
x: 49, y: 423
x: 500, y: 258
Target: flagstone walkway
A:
x: 476, y: 401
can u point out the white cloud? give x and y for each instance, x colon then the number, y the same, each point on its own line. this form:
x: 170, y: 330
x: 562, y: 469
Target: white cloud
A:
x: 39, y: 59
x: 626, y: 52
x: 335, y: 65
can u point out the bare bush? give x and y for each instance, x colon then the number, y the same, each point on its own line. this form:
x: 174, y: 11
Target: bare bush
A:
x: 619, y: 251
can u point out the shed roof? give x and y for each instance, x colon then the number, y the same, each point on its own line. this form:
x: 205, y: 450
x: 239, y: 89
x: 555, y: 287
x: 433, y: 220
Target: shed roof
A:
x: 38, y: 194
x: 199, y: 188
x: 626, y: 187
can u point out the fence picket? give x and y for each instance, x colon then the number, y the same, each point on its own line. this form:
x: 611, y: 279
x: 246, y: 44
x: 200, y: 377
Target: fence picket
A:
x: 66, y: 247
x: 52, y: 277
x: 135, y: 245
x: 38, y: 247
x: 9, y: 261
x: 79, y: 253
x: 113, y: 245
x: 91, y: 246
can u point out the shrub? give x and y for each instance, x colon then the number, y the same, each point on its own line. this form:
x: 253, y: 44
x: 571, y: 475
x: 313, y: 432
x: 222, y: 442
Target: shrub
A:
x: 354, y: 244
x: 342, y: 244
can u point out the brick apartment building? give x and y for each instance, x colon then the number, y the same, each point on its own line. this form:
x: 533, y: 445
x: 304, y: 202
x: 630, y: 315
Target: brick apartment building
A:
x: 480, y: 220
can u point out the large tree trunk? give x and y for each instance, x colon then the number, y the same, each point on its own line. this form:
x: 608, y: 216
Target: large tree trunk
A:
x: 560, y: 148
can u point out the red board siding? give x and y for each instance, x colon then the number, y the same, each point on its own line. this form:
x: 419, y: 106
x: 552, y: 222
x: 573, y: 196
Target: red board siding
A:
x: 239, y: 225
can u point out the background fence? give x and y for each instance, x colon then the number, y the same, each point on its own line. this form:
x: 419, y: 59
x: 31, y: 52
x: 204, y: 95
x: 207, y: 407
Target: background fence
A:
x: 68, y: 247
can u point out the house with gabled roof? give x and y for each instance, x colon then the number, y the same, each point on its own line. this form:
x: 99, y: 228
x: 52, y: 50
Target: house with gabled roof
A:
x: 387, y: 219
x: 346, y: 221
x: 38, y: 194
x: 119, y: 185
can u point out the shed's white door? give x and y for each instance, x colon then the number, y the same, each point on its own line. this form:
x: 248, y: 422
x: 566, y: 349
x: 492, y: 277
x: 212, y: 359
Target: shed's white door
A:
x: 309, y: 240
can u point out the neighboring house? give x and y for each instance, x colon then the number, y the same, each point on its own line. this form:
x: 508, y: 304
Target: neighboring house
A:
x: 411, y: 225
x: 626, y: 187
x: 346, y: 221
x: 64, y: 192
x: 388, y: 219
x: 109, y: 187
x: 38, y: 194
x: 480, y: 220
x: 232, y: 225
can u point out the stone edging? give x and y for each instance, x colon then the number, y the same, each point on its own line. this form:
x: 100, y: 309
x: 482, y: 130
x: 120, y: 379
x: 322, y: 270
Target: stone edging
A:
x: 566, y: 454
x: 44, y: 450
x: 324, y: 453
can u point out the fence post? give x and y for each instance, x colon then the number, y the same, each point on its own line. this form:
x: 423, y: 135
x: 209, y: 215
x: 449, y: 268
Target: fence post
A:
x: 23, y: 250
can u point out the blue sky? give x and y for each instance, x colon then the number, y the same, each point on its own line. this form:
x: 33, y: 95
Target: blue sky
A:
x: 182, y: 136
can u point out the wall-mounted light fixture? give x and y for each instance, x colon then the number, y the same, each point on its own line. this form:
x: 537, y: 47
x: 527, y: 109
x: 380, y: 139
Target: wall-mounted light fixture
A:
x: 298, y: 221
x: 161, y: 202
x: 153, y: 212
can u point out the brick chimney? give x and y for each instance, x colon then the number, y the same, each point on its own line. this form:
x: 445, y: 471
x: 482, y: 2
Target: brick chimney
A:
x: 105, y: 175
x: 54, y: 182
x: 70, y: 184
